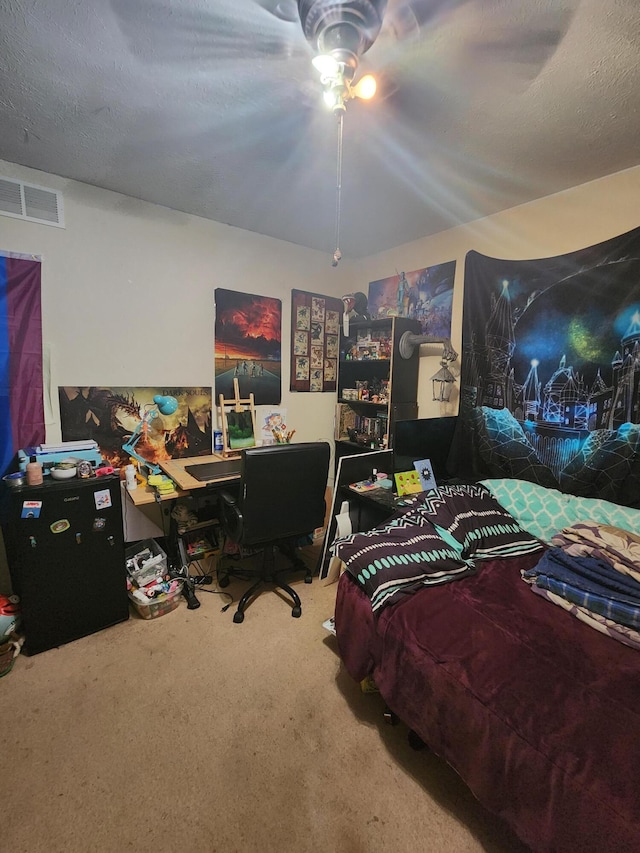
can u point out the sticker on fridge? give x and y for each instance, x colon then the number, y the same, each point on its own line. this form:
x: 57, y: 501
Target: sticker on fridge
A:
x: 102, y: 499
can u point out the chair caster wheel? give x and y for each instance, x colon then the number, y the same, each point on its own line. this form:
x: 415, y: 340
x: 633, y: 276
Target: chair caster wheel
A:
x: 308, y: 579
x: 224, y: 581
x: 296, y: 612
x: 238, y: 617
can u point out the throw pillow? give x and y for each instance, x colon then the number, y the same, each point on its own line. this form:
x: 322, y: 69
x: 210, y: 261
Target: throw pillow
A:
x: 394, y: 560
x: 484, y: 528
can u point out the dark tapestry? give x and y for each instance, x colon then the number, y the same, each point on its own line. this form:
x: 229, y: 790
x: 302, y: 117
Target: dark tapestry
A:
x: 551, y: 371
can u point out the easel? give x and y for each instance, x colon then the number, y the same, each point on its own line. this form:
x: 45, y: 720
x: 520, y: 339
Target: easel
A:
x: 238, y: 405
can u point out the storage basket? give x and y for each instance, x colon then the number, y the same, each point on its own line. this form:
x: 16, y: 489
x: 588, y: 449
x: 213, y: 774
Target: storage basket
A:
x: 8, y: 653
x: 154, y: 567
x: 164, y: 603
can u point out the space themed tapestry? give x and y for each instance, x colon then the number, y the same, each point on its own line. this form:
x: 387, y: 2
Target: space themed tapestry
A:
x: 550, y: 383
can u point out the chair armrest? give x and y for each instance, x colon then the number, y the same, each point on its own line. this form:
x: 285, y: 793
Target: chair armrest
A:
x: 230, y: 515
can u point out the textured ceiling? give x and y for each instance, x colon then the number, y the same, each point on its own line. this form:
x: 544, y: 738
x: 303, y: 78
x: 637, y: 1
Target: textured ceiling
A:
x: 212, y: 107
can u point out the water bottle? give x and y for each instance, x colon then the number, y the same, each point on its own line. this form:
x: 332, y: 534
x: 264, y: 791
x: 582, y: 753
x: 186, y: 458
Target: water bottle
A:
x: 130, y: 477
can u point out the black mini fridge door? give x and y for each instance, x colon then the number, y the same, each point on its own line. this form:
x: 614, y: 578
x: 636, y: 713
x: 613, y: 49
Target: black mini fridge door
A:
x: 65, y: 548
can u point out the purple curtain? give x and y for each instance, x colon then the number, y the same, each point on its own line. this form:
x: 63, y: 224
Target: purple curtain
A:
x: 21, y: 384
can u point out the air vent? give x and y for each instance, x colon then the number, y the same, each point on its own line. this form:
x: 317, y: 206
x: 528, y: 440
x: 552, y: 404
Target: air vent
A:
x: 27, y: 201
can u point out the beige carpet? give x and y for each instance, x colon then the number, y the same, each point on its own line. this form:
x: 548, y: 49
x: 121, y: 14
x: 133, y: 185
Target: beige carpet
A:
x: 192, y: 733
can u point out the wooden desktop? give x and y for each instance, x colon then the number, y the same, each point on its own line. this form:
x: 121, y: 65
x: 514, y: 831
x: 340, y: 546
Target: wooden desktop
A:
x: 185, y: 483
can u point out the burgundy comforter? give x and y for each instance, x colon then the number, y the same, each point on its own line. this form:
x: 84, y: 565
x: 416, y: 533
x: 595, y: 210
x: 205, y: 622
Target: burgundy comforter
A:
x: 537, y: 712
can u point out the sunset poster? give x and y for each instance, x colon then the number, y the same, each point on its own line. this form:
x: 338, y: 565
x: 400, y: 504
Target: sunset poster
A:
x: 248, y: 333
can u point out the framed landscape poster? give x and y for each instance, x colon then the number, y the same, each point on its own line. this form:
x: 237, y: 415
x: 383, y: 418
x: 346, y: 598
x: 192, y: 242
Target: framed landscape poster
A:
x: 248, y: 345
x: 315, y: 341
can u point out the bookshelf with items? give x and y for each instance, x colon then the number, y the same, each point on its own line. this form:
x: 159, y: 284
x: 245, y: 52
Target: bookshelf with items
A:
x: 376, y: 386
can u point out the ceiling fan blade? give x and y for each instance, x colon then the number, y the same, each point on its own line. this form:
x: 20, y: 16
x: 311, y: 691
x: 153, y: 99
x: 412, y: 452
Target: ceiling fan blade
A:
x: 406, y: 19
x: 237, y: 29
x: 452, y: 49
x: 286, y: 10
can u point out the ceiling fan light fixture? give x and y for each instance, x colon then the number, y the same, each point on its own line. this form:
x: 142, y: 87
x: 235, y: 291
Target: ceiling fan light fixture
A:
x: 365, y: 88
x: 339, y: 33
x: 326, y: 65
x: 332, y: 98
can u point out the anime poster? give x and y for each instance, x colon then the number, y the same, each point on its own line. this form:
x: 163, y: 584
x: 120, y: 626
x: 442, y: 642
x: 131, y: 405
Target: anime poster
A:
x: 248, y: 346
x: 111, y: 416
x: 550, y: 384
x: 315, y: 339
x: 425, y: 295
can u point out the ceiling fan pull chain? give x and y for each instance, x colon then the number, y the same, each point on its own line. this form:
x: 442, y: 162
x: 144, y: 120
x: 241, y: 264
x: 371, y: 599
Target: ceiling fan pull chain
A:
x: 338, y: 254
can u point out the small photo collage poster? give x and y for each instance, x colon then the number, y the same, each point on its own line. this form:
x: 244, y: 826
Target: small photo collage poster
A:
x: 315, y: 341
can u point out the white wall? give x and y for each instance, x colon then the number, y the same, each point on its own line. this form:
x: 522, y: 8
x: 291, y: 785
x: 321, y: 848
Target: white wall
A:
x: 128, y: 293
x: 127, y: 288
x: 128, y: 299
x: 551, y: 226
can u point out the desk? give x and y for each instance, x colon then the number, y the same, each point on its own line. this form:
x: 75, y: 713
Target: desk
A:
x: 372, y: 507
x: 175, y: 469
x: 201, y: 496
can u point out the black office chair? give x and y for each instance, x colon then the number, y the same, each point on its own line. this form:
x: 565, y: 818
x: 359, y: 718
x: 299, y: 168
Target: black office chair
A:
x: 280, y: 499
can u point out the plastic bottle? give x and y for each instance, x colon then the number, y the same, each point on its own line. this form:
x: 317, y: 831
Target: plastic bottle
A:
x: 130, y: 477
x: 34, y: 472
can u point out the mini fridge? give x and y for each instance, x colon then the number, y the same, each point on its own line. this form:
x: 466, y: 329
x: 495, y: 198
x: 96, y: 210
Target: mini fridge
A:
x: 65, y: 548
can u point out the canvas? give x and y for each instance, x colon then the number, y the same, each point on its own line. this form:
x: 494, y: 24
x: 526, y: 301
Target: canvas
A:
x: 425, y: 295
x: 109, y: 415
x: 248, y: 346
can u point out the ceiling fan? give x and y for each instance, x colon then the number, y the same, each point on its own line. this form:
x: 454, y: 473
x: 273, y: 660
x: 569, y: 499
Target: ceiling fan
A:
x: 340, y: 32
x: 515, y: 31
x: 256, y: 57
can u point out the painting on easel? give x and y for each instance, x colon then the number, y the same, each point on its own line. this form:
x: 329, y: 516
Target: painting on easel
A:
x: 240, y: 430
x: 247, y: 345
x: 238, y: 418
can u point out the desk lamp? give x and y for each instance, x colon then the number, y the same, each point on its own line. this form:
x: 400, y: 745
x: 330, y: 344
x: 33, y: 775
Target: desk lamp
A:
x: 162, y: 405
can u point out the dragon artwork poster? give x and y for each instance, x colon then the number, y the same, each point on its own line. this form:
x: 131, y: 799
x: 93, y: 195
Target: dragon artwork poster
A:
x: 110, y: 416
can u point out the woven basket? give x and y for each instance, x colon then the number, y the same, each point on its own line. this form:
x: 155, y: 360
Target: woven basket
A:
x: 8, y: 653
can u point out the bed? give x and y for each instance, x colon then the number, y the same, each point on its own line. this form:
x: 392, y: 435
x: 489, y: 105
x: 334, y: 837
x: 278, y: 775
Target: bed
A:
x: 535, y: 710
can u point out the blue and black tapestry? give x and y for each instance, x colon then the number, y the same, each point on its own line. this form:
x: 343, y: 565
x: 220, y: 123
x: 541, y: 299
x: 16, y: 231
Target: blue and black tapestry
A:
x: 550, y: 384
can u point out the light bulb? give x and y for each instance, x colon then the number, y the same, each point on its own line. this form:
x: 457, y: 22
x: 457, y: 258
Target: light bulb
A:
x: 330, y: 97
x: 365, y: 88
x: 326, y: 65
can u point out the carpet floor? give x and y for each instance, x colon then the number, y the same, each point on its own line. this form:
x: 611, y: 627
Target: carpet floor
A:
x: 190, y: 732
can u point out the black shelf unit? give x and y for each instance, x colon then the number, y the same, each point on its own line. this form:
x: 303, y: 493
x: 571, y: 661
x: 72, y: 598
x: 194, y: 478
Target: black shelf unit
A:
x: 370, y: 354
x: 199, y: 541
